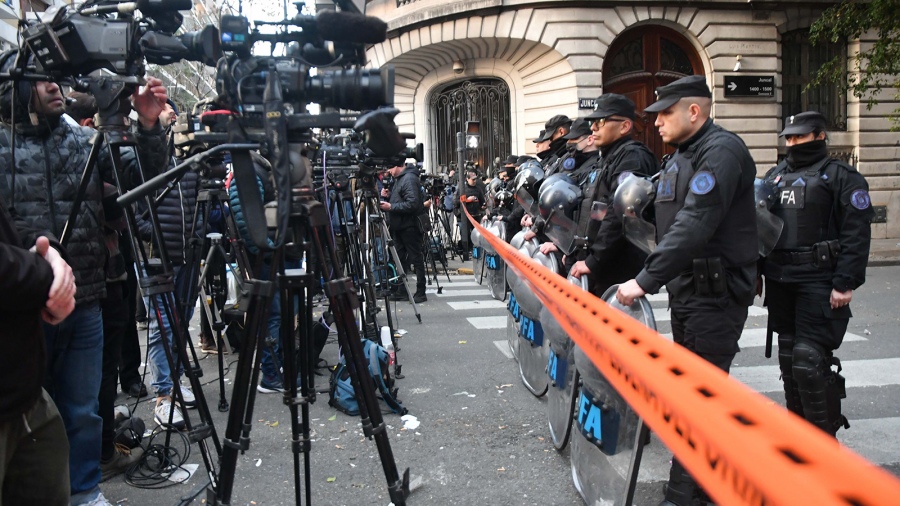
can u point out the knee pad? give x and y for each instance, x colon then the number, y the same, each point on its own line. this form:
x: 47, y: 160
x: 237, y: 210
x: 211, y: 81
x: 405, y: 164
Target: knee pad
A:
x: 786, y: 353
x: 821, y: 389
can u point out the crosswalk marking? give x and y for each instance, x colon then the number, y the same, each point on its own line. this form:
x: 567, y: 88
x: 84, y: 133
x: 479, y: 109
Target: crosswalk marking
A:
x: 664, y: 315
x: 488, y: 322
x: 503, y: 346
x: 752, y: 338
x: 859, y: 373
x: 456, y: 293
x: 874, y: 438
x: 477, y: 304
x: 459, y: 283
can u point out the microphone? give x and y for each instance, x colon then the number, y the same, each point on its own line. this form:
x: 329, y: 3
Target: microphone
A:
x: 350, y: 27
x: 148, y: 7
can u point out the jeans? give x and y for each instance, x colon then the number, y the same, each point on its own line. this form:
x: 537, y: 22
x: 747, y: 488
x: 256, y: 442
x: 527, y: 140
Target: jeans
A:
x: 270, y: 365
x: 115, y: 321
x: 75, y: 350
x: 159, y: 365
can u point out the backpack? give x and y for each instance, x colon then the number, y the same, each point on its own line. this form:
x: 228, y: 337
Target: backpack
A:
x: 341, y: 393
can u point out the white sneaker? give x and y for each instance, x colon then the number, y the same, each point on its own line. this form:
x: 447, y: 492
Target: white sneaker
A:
x: 190, y: 401
x: 100, y: 500
x: 161, y: 413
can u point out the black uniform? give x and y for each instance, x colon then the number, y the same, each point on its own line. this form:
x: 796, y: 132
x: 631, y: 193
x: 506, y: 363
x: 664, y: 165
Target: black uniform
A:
x: 824, y: 246
x: 706, y: 254
x: 610, y: 257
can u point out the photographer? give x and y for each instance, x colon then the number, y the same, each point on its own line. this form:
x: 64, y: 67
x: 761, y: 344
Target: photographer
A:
x: 403, y: 218
x: 474, y: 196
x: 50, y: 156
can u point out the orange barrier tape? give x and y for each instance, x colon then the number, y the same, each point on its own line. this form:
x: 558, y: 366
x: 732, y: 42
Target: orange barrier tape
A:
x: 740, y: 446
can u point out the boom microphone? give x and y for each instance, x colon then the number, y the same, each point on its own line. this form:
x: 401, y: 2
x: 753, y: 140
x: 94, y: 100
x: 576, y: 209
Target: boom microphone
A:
x: 349, y: 27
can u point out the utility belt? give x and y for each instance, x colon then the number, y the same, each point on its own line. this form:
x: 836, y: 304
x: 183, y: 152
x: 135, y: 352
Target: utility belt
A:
x: 821, y: 254
x: 709, y: 277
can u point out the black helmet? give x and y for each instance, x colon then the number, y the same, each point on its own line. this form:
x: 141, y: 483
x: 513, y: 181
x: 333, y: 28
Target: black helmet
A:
x: 552, y: 179
x: 559, y: 195
x: 633, y: 201
x: 494, y: 186
x: 529, y: 177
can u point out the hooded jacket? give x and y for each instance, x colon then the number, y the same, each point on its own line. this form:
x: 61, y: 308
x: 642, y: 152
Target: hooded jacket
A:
x: 42, y: 186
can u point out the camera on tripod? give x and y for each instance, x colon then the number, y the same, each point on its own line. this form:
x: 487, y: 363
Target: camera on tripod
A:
x: 77, y: 42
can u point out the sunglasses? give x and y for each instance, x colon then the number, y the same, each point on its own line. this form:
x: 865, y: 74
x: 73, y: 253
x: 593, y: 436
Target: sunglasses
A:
x: 602, y: 121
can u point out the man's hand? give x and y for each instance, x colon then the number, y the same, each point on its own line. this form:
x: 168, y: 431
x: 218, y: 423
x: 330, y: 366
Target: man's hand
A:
x: 385, y: 206
x: 427, y: 204
x: 529, y: 235
x: 628, y: 291
x: 471, y: 198
x: 840, y: 299
x: 527, y: 221
x: 150, y: 102
x: 385, y: 192
x: 548, y: 247
x: 579, y: 268
x: 61, y: 299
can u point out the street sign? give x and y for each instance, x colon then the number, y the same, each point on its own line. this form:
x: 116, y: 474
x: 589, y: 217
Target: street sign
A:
x: 749, y: 86
x: 586, y: 103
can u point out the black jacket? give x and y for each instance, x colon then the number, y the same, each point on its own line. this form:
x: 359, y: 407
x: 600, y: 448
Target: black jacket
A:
x: 476, y: 207
x: 50, y: 160
x: 25, y: 280
x: 706, y: 211
x: 612, y: 258
x: 176, y: 217
x: 406, y: 200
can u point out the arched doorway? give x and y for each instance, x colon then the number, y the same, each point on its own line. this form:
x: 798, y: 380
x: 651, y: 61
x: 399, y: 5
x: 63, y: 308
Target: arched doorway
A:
x: 485, y: 100
x: 639, y: 61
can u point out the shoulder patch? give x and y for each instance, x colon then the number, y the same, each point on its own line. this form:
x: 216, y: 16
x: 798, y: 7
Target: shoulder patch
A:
x: 623, y: 175
x: 703, y: 182
x: 860, y: 200
x: 569, y: 163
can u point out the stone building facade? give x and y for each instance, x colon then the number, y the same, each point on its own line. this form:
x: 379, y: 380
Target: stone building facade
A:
x: 552, y: 57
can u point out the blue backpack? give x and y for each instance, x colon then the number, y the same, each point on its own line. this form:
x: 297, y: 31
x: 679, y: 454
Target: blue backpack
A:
x: 341, y: 393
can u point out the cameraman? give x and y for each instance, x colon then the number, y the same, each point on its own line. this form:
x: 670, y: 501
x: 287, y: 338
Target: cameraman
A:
x: 50, y: 157
x: 405, y: 206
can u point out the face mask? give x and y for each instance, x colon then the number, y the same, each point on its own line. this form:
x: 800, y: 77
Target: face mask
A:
x: 543, y: 155
x: 806, y: 154
x: 558, y: 146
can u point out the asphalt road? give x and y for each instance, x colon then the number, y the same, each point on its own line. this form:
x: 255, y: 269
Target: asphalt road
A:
x: 483, y: 437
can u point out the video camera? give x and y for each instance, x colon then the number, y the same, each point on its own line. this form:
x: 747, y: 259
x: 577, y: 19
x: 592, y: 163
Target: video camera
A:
x: 78, y: 41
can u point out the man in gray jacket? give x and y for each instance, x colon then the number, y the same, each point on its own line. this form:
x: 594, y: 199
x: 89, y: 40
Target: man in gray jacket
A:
x: 41, y: 185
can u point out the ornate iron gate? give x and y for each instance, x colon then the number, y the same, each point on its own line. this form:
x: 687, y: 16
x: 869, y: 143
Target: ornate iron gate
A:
x: 484, y: 100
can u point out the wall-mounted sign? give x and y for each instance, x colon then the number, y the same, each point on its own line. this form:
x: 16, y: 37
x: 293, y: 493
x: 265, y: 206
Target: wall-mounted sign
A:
x: 749, y: 86
x: 586, y: 103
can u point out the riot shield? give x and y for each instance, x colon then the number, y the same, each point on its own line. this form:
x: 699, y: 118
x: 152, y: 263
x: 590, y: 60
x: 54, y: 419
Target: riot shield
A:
x: 512, y: 326
x: 607, y: 442
x: 494, y: 265
x: 561, y: 230
x: 527, y: 202
x: 562, y: 375
x: 534, y: 348
x: 640, y: 233
x: 477, y: 255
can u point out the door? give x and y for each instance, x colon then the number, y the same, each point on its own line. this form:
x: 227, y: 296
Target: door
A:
x: 639, y: 61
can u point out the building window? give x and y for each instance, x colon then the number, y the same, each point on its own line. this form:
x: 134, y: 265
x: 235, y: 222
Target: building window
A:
x: 485, y: 100
x: 799, y: 62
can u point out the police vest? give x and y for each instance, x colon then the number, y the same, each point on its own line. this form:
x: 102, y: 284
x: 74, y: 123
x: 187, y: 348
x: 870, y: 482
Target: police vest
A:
x: 804, y: 200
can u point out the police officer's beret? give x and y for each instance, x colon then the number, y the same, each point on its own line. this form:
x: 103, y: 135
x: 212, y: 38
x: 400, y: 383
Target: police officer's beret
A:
x: 690, y: 86
x: 579, y: 129
x: 612, y: 104
x: 538, y: 138
x: 804, y: 123
x: 560, y: 120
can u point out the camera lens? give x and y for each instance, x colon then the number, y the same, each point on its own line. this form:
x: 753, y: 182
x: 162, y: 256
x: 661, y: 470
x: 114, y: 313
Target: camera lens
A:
x: 354, y: 89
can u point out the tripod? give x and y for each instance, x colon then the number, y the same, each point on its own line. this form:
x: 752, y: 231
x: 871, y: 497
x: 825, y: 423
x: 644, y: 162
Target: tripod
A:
x: 369, y: 206
x: 112, y: 96
x: 310, y: 230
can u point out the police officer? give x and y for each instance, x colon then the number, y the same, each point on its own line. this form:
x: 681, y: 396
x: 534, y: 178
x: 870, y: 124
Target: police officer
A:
x: 555, y: 130
x: 819, y: 259
x: 612, y: 124
x: 706, y: 234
